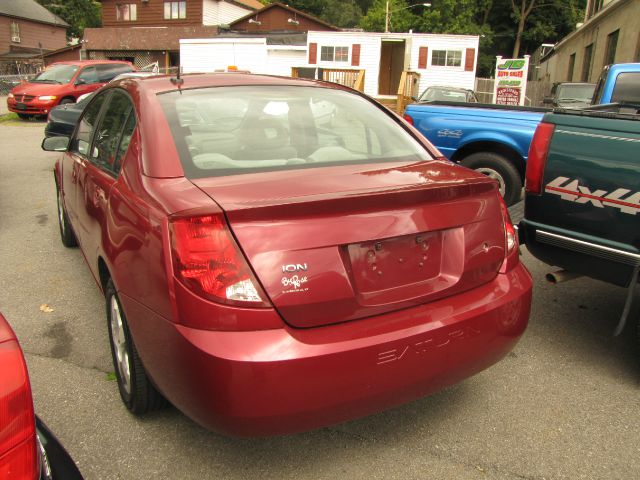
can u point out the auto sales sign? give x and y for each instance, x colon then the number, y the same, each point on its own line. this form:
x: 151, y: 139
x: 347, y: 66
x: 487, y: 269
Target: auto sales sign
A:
x: 510, y: 84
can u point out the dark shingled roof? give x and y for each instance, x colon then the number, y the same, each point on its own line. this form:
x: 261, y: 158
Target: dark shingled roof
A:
x: 292, y: 10
x: 279, y: 38
x: 143, y: 38
x: 30, y: 10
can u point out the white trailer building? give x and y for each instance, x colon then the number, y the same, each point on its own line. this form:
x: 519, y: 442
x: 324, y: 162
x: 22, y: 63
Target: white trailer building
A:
x: 435, y: 59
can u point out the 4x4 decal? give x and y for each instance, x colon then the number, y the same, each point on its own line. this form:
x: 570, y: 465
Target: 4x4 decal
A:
x: 571, y: 190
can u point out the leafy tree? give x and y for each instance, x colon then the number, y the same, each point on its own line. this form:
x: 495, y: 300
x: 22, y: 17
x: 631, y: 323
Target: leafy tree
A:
x: 344, y: 14
x: 314, y: 7
x: 521, y: 11
x: 401, y: 16
x: 451, y: 16
x: 550, y: 21
x: 341, y: 13
x: 79, y: 14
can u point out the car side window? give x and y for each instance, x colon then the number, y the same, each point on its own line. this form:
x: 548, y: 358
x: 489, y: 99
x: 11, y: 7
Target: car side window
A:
x: 108, y: 72
x: 110, y: 131
x: 88, y: 75
x: 82, y: 141
x: 127, y: 133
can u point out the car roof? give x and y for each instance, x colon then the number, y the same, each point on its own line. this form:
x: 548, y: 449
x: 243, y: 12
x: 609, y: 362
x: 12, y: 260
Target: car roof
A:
x: 564, y: 84
x: 624, y: 67
x: 134, y: 75
x: 446, y: 87
x: 163, y: 83
x: 89, y: 62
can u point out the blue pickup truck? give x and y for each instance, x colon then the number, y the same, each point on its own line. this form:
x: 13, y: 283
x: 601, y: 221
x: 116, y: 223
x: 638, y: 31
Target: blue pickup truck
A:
x: 495, y: 139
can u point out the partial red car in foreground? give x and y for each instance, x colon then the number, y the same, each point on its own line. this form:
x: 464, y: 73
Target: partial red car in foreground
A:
x: 281, y: 254
x: 28, y: 449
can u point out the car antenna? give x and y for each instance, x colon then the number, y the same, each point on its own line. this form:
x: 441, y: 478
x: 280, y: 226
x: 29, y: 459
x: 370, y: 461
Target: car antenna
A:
x: 177, y: 80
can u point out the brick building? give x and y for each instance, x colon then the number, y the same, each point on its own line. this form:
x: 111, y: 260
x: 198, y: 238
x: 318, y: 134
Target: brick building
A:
x: 27, y: 32
x: 148, y: 31
x: 609, y: 34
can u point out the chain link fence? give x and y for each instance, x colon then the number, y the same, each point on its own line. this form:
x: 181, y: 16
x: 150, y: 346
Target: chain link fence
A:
x: 536, y: 91
x: 7, y: 82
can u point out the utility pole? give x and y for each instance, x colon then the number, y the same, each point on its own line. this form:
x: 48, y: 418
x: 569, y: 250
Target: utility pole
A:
x: 386, y: 19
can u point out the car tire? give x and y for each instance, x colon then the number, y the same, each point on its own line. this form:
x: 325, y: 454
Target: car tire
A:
x: 24, y: 116
x: 136, y: 390
x: 66, y: 100
x: 499, y: 168
x: 66, y: 232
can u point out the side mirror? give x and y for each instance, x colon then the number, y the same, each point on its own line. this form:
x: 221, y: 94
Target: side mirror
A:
x: 55, y: 144
x: 81, y: 81
x: 547, y: 100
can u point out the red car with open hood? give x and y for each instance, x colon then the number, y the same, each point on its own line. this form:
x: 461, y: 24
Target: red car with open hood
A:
x: 281, y: 254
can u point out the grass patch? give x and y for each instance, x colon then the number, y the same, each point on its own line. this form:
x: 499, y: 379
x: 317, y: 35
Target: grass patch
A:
x: 13, y: 119
x: 111, y: 376
x: 9, y: 117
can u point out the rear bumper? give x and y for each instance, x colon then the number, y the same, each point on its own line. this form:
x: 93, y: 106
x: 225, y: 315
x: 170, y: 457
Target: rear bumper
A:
x: 579, y: 253
x: 288, y: 380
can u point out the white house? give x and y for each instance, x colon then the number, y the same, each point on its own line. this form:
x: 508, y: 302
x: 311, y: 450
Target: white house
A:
x: 220, y: 12
x: 271, y: 54
x: 438, y: 59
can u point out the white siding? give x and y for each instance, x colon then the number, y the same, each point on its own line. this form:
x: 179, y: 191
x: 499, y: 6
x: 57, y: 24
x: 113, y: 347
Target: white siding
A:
x: 230, y: 13
x: 255, y: 55
x: 210, y: 12
x: 216, y: 12
x: 209, y: 55
x: 369, y: 54
x: 370, y: 47
x: 436, y: 75
x: 280, y: 60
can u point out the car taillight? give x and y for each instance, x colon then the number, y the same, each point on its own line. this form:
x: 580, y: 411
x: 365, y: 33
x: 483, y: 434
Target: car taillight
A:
x: 408, y: 119
x: 18, y: 448
x: 510, y: 239
x: 207, y: 260
x: 538, y: 157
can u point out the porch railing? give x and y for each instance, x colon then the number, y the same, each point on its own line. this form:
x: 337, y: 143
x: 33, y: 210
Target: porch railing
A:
x: 407, y: 89
x: 343, y: 76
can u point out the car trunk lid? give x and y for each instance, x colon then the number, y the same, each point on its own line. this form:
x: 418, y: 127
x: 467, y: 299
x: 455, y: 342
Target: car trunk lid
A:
x: 340, y: 243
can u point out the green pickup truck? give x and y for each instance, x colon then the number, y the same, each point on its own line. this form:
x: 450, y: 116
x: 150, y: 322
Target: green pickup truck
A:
x: 582, y: 195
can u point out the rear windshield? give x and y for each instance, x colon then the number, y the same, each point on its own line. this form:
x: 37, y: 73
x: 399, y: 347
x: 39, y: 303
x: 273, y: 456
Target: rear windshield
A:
x: 627, y: 88
x: 56, y: 74
x: 246, y: 129
x: 437, y: 94
x: 580, y: 93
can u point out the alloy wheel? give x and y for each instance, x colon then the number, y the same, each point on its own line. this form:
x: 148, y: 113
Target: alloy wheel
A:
x: 61, y: 213
x: 119, y: 341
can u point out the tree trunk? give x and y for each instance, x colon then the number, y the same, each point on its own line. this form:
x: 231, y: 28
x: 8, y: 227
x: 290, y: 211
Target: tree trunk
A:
x: 487, y: 12
x: 522, y: 11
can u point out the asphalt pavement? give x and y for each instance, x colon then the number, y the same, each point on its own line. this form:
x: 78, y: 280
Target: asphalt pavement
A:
x: 563, y: 405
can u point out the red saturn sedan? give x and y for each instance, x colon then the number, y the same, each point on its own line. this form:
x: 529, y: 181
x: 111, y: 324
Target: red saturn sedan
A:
x: 280, y: 254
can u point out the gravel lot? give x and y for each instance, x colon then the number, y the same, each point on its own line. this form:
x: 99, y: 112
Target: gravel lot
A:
x: 563, y: 404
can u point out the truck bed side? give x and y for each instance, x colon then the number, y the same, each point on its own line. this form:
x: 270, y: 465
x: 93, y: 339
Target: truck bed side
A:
x: 492, y: 139
x: 451, y: 126
x: 587, y: 218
